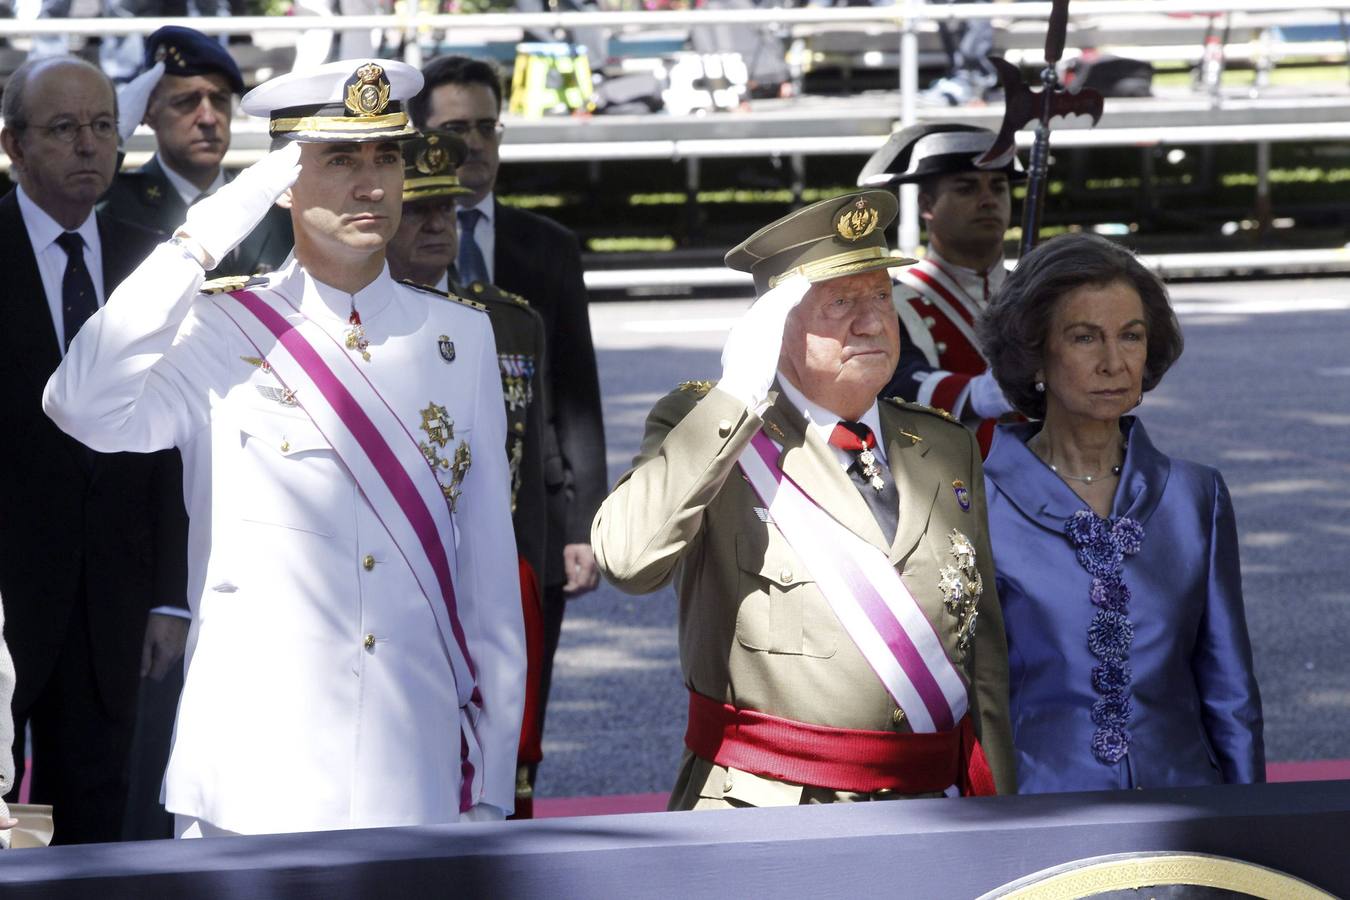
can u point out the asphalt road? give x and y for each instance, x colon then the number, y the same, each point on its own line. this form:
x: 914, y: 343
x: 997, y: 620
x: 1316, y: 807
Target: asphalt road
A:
x: 1262, y: 392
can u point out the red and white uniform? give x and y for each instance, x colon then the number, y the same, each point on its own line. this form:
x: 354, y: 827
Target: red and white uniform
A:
x: 938, y: 303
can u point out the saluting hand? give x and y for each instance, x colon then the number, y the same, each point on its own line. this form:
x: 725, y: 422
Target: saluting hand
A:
x: 219, y: 223
x: 750, y: 356
x: 132, y: 100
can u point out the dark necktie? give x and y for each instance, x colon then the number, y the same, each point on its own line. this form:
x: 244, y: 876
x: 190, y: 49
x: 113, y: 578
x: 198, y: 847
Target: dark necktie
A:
x: 470, y: 263
x: 78, y: 300
x: 869, y: 476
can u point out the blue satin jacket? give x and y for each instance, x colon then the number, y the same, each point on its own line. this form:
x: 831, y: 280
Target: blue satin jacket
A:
x: 1194, y: 712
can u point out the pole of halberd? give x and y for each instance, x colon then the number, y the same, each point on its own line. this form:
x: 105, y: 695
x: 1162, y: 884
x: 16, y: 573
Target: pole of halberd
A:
x: 909, y: 89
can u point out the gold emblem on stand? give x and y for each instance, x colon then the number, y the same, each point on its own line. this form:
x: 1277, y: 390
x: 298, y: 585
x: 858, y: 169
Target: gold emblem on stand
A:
x: 368, y: 92
x: 856, y: 221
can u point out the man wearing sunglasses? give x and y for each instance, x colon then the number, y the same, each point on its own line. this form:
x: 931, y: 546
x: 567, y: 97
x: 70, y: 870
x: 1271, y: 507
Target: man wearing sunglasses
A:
x: 92, y: 542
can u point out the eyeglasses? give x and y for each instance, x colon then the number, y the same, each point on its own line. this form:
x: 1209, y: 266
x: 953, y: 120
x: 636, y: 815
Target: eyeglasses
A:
x: 66, y: 130
x: 487, y: 129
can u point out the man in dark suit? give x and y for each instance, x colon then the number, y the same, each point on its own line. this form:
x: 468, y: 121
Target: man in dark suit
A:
x: 537, y: 258
x: 189, y: 109
x: 89, y: 542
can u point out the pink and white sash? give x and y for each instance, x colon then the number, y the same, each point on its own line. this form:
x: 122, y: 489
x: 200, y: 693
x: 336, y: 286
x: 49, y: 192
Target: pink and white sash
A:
x: 866, y: 593
x: 384, y: 459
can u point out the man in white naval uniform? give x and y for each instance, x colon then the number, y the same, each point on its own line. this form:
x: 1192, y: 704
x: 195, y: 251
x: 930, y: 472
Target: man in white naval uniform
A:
x: 966, y: 211
x: 356, y: 657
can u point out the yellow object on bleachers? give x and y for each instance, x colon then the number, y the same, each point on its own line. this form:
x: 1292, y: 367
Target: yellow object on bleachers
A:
x: 551, y: 78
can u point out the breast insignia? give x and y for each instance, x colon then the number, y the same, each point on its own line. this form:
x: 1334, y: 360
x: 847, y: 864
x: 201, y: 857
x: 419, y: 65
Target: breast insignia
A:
x: 700, y: 388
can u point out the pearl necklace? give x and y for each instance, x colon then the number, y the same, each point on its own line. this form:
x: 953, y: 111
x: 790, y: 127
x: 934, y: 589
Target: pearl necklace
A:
x: 1086, y: 479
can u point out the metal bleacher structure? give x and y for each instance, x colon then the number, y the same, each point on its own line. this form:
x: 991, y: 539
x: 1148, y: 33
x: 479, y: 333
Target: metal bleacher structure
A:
x: 1261, y: 33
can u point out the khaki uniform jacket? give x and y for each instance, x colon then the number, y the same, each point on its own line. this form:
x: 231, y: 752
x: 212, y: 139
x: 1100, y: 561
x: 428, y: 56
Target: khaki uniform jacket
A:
x: 755, y: 631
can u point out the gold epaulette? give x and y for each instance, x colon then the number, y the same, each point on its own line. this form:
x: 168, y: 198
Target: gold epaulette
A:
x: 919, y: 407
x: 230, y: 283
x: 696, y: 387
x: 492, y: 292
x: 447, y: 295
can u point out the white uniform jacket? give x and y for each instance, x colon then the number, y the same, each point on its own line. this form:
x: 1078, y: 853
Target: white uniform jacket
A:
x: 318, y: 693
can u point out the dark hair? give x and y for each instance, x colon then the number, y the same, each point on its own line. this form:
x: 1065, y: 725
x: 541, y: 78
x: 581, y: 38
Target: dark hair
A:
x: 453, y: 70
x: 11, y: 105
x: 1013, y: 329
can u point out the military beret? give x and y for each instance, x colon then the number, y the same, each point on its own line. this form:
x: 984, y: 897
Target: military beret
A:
x: 353, y: 100
x: 430, y: 162
x: 830, y: 239
x: 944, y: 148
x: 186, y: 51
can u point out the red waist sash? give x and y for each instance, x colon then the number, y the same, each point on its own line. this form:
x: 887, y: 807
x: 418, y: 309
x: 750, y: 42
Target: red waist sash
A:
x: 842, y: 759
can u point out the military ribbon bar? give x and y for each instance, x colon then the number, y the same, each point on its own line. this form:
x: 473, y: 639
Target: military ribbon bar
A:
x: 867, y: 594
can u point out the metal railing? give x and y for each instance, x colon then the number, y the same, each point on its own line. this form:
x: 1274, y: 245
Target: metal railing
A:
x: 908, y: 18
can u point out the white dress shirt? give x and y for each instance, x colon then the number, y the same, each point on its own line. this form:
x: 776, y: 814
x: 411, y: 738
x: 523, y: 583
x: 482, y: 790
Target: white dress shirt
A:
x: 43, y: 231
x: 822, y: 422
x: 186, y: 189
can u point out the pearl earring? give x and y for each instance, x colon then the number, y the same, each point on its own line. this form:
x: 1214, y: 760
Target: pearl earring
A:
x: 1040, y: 387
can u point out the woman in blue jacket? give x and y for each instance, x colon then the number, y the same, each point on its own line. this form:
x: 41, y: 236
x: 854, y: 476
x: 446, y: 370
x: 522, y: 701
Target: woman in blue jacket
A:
x: 1118, y: 572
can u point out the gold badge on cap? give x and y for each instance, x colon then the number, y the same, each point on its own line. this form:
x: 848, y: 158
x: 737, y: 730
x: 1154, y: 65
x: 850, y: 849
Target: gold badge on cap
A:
x: 367, y: 91
x: 433, y: 160
x: 856, y: 220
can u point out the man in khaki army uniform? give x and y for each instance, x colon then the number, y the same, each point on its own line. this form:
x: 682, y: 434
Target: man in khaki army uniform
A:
x: 830, y: 551
x: 422, y: 251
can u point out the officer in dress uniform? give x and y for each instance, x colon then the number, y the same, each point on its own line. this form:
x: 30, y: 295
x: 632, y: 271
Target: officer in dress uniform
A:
x: 356, y: 656
x: 839, y: 631
x: 966, y: 211
x: 423, y: 251
x: 186, y: 95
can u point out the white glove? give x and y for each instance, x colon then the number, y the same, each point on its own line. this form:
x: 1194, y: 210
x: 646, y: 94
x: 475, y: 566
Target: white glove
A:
x: 132, y: 99
x: 750, y: 356
x: 483, y: 812
x: 218, y: 223
x: 985, y: 398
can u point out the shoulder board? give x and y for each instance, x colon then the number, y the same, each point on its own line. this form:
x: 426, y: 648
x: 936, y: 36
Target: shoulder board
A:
x: 230, y: 283
x: 919, y: 407
x: 492, y: 292
x: 696, y: 387
x: 445, y: 295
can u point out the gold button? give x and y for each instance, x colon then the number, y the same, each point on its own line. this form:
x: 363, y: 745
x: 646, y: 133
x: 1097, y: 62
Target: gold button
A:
x: 785, y: 576
x: 724, y: 427
x: 370, y: 642
x: 942, y: 346
x: 726, y: 785
x: 285, y: 445
x: 519, y: 427
x: 883, y: 792
x: 368, y: 562
x: 897, y: 716
x: 929, y: 321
